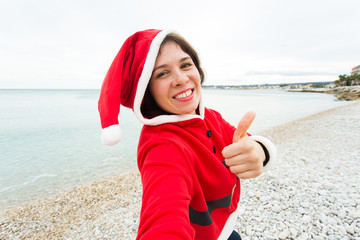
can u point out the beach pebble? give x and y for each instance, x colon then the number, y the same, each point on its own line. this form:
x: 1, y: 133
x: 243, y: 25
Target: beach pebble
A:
x: 306, y: 219
x: 249, y: 231
x: 276, y: 208
x: 301, y: 210
x: 304, y: 236
x: 265, y: 198
x: 350, y: 229
x: 304, y: 204
x: 257, y: 195
x: 284, y: 234
x: 293, y: 232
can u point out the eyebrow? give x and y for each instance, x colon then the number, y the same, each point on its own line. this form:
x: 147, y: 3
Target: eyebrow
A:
x: 165, y: 65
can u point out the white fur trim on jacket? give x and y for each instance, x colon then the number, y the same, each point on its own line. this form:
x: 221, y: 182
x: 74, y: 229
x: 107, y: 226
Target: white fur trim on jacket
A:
x: 271, y: 149
x: 230, y: 223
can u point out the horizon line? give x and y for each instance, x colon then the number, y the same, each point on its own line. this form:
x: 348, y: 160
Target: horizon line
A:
x: 205, y: 85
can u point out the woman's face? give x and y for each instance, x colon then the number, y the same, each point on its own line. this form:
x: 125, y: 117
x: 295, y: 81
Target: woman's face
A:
x: 175, y: 81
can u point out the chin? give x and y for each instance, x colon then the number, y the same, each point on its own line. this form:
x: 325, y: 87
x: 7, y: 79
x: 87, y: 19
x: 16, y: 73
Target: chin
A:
x: 190, y: 111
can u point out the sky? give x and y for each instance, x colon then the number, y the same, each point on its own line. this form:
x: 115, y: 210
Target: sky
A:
x: 70, y: 44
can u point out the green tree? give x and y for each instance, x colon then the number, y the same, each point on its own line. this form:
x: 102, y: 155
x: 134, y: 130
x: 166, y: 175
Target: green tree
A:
x: 346, y: 80
x: 342, y: 78
x: 357, y: 76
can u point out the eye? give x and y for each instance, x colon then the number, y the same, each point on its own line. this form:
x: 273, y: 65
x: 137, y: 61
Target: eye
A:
x: 186, y: 65
x: 161, y: 74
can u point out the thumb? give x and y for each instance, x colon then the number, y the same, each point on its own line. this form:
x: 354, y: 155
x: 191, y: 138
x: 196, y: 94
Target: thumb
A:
x: 244, y: 125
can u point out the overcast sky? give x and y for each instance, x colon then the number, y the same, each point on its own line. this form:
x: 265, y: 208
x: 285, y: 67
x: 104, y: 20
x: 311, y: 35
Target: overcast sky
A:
x: 71, y: 43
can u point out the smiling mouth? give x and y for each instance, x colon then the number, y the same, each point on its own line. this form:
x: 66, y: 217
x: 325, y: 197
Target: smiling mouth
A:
x: 184, y: 94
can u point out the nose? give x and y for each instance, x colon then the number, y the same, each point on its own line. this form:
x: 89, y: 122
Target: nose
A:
x: 180, y: 78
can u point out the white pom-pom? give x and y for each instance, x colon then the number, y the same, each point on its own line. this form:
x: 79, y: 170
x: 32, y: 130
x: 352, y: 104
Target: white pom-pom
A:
x: 111, y: 135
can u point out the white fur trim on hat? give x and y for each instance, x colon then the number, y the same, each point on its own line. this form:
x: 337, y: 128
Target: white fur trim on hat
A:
x: 111, y: 135
x: 271, y: 149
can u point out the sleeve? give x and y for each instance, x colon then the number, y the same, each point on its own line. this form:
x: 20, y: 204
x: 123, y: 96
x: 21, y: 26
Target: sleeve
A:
x: 167, y: 189
x: 269, y: 149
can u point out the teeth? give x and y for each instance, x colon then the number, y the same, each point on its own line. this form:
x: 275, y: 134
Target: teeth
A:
x: 184, y: 95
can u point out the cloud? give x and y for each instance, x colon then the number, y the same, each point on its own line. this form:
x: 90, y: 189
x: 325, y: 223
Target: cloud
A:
x: 237, y: 40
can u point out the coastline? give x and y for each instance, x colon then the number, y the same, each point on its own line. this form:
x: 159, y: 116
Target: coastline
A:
x: 310, y: 192
x: 347, y: 93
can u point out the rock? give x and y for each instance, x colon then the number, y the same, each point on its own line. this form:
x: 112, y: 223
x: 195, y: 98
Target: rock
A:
x: 249, y: 231
x: 265, y: 198
x: 348, y: 93
x: 301, y: 210
x: 284, y: 234
x: 331, y: 221
x: 293, y: 232
x: 276, y: 209
x: 323, y: 218
x: 306, y: 219
x: 257, y: 195
x: 350, y: 229
x: 242, y: 210
x: 318, y: 238
x: 305, y: 204
x: 256, y: 214
x: 304, y: 236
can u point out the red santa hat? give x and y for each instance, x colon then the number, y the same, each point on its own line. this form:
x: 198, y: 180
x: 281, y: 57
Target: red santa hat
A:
x: 126, y: 81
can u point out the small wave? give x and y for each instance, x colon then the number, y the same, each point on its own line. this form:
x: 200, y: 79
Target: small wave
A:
x: 5, y: 189
x: 38, y: 177
x: 110, y: 159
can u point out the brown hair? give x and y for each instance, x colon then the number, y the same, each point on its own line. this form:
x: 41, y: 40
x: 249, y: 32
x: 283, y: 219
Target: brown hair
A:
x: 187, y: 48
x: 149, y: 107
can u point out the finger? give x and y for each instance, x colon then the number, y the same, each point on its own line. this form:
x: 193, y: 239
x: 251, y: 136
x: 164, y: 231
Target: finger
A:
x: 229, y: 151
x: 234, y: 160
x: 249, y: 174
x: 239, y: 169
x: 237, y: 148
x: 244, y: 125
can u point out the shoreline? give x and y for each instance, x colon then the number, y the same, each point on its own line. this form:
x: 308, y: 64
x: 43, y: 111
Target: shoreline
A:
x: 294, y: 200
x: 30, y: 183
x: 344, y: 93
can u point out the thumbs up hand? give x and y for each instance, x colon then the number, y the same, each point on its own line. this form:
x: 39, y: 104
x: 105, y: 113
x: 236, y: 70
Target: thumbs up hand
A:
x: 244, y: 156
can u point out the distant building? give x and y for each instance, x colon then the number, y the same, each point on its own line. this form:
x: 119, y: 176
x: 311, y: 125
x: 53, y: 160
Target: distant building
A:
x: 355, y: 70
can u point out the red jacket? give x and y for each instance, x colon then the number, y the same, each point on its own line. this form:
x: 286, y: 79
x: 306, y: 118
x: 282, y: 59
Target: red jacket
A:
x: 188, y: 193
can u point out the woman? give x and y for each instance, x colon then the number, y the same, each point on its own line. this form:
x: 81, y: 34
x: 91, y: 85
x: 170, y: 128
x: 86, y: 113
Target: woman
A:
x: 189, y: 157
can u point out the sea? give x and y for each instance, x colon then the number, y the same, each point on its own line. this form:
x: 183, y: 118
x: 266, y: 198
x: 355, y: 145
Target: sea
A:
x: 50, y: 139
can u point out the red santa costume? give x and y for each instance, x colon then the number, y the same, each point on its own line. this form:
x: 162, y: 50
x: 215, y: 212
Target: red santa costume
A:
x: 188, y: 191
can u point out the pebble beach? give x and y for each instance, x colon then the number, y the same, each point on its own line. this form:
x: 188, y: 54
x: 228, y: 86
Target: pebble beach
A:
x: 311, y: 193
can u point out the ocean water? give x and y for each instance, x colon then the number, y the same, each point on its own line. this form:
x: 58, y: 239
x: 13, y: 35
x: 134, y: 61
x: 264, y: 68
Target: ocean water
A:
x: 50, y: 139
